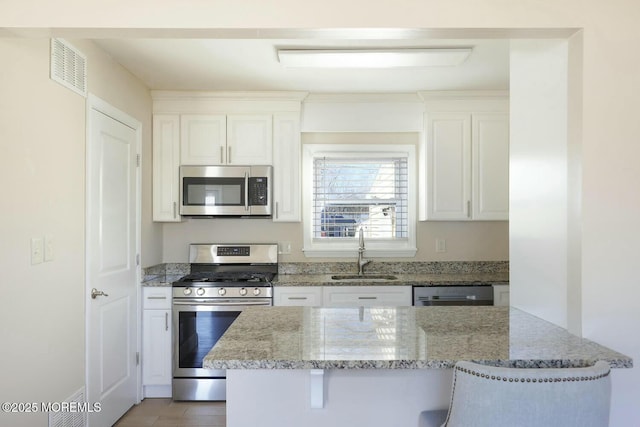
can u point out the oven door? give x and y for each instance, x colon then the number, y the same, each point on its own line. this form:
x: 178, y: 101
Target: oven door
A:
x: 197, y: 326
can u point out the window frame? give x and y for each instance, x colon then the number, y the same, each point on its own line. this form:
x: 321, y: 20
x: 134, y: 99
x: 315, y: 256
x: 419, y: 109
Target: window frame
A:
x: 401, y: 248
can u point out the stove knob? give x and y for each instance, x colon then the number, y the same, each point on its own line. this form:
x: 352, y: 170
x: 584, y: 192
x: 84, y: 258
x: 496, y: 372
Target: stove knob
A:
x: 243, y: 291
x: 187, y: 291
x: 200, y: 291
x: 256, y: 291
x: 222, y: 291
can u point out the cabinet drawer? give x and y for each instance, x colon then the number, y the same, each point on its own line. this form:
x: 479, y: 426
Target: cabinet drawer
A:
x: 297, y: 296
x: 156, y: 298
x: 367, y: 296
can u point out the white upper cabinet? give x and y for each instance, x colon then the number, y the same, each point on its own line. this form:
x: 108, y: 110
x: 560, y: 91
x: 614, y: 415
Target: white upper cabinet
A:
x: 490, y: 166
x: 218, y: 139
x: 166, y: 162
x: 286, y: 167
x: 203, y: 139
x: 249, y: 139
x: 448, y: 167
x: 465, y: 164
x: 226, y: 128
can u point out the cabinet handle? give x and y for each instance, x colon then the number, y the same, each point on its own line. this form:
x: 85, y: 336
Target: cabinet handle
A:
x: 152, y: 297
x: 367, y: 297
x: 468, y: 208
x: 297, y: 298
x: 221, y: 154
x: 175, y: 209
x: 229, y: 155
x: 277, y: 216
x: 166, y: 321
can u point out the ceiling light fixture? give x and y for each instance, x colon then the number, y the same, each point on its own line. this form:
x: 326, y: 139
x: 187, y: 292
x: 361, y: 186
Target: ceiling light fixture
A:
x: 373, y: 58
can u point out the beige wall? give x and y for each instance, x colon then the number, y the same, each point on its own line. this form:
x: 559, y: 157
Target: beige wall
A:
x: 42, y: 138
x: 465, y: 241
x: 609, y: 200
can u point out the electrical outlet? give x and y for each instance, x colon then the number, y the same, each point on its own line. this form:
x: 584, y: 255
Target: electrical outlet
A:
x: 284, y: 248
x: 37, y: 249
x: 48, y: 248
x: 441, y: 245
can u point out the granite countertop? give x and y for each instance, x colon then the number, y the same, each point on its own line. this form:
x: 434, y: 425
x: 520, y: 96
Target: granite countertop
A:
x: 162, y: 280
x: 450, y: 273
x: 399, y: 338
x: 417, y: 279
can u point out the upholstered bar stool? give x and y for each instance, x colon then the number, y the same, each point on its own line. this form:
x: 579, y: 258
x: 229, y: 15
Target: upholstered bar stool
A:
x: 488, y: 396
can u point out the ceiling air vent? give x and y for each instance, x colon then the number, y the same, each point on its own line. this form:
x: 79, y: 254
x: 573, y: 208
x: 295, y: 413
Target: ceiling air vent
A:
x: 68, y: 66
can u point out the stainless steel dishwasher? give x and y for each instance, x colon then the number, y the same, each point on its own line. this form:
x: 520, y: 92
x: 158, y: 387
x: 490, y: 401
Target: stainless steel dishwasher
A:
x: 453, y: 295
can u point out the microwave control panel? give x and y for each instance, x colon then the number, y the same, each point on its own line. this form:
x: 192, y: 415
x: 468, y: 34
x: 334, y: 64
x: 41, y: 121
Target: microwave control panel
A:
x: 258, y: 191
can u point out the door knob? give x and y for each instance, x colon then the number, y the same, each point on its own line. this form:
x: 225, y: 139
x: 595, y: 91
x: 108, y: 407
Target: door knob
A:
x: 96, y: 293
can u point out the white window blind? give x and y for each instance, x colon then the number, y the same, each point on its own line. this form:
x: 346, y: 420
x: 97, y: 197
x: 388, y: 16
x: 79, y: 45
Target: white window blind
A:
x: 351, y: 192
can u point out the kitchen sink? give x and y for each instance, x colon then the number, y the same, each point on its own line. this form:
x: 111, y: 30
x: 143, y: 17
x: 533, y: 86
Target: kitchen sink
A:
x: 363, y: 277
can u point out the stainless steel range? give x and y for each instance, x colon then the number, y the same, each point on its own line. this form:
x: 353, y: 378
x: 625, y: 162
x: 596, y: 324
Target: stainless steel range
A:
x: 224, y: 280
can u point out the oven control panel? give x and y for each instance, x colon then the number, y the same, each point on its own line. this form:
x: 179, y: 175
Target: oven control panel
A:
x: 183, y: 293
x: 233, y: 251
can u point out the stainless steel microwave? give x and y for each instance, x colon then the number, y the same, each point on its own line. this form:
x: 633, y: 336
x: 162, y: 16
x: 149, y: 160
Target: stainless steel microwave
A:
x: 242, y: 191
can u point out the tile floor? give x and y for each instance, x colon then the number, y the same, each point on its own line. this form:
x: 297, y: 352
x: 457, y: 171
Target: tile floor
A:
x: 167, y: 413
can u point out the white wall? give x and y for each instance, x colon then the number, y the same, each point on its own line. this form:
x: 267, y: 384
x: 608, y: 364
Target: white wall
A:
x: 42, y: 138
x: 538, y: 178
x: 42, y: 315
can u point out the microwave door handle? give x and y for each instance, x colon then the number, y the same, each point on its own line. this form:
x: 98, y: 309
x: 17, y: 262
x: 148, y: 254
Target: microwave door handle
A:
x: 246, y: 191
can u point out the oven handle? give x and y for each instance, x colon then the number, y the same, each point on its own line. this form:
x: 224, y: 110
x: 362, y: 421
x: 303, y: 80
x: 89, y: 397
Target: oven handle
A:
x: 222, y: 303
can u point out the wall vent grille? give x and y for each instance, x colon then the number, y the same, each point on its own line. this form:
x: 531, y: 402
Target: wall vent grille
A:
x: 68, y: 66
x: 61, y: 418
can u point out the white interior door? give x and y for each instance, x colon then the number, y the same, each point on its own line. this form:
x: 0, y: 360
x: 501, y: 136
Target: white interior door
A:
x: 112, y: 271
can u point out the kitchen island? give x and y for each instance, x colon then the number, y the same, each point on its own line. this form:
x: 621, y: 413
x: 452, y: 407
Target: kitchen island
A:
x: 376, y: 366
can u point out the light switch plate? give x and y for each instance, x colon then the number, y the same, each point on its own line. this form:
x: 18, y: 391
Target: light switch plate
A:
x: 48, y: 248
x: 441, y: 245
x: 37, y: 250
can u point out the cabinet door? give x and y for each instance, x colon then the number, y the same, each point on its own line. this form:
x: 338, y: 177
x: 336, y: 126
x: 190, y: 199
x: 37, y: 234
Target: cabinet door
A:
x: 490, y: 154
x: 249, y: 139
x: 310, y: 296
x: 156, y: 347
x: 166, y: 161
x: 203, y: 139
x: 448, y: 166
x: 286, y: 167
x: 366, y: 296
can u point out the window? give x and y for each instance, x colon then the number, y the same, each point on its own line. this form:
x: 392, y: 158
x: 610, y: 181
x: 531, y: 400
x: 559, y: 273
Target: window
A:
x: 352, y: 187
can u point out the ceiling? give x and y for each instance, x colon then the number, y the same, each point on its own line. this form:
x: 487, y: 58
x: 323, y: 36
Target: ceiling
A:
x: 252, y: 64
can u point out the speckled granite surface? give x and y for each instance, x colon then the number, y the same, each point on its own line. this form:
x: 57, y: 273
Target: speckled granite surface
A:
x: 164, y: 274
x: 389, y: 267
x: 449, y: 273
x: 430, y: 279
x: 399, y: 338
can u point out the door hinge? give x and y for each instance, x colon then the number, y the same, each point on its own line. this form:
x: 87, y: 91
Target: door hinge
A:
x: 138, y: 160
x: 137, y: 358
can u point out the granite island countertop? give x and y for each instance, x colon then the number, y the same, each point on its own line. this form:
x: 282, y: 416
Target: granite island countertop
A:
x: 400, y: 338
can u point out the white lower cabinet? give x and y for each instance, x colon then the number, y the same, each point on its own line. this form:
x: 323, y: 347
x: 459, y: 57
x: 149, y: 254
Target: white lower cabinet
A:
x: 310, y: 296
x: 366, y: 296
x: 501, y: 295
x: 156, y: 342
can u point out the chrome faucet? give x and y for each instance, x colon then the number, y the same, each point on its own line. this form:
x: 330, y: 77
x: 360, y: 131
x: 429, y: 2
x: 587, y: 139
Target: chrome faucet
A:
x: 361, y: 261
